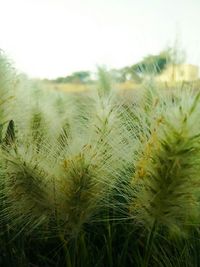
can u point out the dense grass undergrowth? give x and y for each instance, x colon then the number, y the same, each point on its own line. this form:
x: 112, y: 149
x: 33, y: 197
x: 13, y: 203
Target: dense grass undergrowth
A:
x: 95, y: 179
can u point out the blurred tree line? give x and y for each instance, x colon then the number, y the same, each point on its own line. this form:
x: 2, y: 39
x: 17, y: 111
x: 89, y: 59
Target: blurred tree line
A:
x: 76, y: 77
x: 149, y: 65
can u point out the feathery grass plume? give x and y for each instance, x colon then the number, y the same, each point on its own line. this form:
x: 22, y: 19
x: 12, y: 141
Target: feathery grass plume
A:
x: 105, y: 136
x: 141, y: 110
x: 86, y: 172
x: 81, y: 185
x: 70, y: 120
x: 138, y: 117
x: 83, y: 181
x: 26, y: 189
x: 166, y: 182
x: 103, y: 114
x: 8, y: 82
x: 63, y: 137
x: 33, y: 121
x: 104, y: 82
x: 134, y: 116
x: 110, y: 133
x: 37, y: 128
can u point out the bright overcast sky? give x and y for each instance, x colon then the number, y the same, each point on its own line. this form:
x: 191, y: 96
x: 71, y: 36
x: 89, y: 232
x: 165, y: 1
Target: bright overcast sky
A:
x: 50, y: 38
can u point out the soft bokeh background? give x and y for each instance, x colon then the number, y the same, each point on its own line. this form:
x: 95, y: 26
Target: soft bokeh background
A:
x: 51, y: 38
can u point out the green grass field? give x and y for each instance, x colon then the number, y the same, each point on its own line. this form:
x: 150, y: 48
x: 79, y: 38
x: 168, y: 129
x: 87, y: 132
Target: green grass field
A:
x: 98, y: 177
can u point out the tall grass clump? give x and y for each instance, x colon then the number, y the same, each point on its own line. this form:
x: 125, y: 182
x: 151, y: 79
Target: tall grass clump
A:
x: 166, y: 181
x: 26, y: 191
x: 95, y: 179
x: 87, y: 168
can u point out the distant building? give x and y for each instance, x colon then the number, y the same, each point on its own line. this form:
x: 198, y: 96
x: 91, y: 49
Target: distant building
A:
x: 181, y: 72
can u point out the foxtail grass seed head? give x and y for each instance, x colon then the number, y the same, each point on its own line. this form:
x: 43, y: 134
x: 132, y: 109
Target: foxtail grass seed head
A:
x: 166, y: 181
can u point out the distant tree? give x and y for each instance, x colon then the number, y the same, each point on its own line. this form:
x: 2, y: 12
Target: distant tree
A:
x: 153, y: 64
x: 79, y: 77
x: 60, y: 80
x: 76, y: 77
x: 149, y: 65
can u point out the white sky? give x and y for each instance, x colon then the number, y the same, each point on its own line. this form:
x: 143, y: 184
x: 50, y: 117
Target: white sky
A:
x: 50, y: 38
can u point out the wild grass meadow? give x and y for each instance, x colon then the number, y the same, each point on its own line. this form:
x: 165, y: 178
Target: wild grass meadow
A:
x: 96, y: 179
